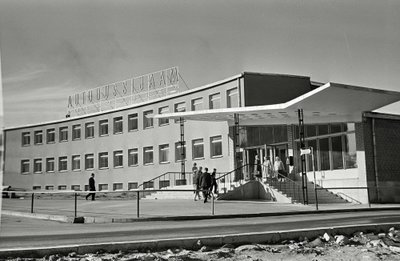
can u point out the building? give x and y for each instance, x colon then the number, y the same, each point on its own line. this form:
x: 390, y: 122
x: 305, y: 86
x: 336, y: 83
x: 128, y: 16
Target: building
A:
x: 249, y: 114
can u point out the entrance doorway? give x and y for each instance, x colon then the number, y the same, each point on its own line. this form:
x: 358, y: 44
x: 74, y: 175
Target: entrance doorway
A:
x: 271, y: 151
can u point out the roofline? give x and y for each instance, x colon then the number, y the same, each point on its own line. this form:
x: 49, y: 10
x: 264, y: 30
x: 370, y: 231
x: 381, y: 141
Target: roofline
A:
x: 380, y: 115
x: 276, y: 74
x: 204, y: 87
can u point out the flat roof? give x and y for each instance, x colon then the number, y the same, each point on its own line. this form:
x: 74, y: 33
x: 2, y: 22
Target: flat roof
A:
x: 331, y: 102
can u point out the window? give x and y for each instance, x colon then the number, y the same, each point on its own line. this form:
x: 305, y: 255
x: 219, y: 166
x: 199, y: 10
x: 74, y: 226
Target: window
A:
x: 103, y: 187
x: 180, y: 151
x: 76, y: 187
x: 335, y: 128
x: 164, y: 153
x: 38, y: 137
x: 103, y: 160
x: 24, y: 166
x: 215, y: 101
x: 86, y: 187
x: 89, y: 130
x: 118, y: 125
x: 37, y: 165
x: 62, y: 187
x: 76, y: 162
x: 147, y: 155
x: 117, y: 186
x: 50, y: 165
x: 51, y: 136
x: 26, y: 139
x: 232, y: 98
x: 89, y: 161
x: 132, y: 185
x: 62, y: 163
x: 197, y: 104
x: 133, y: 157
x: 350, y: 152
x: 163, y: 110
x: 198, y: 149
x: 324, y: 154
x: 322, y: 129
x: 76, y: 132
x: 103, y: 127
x: 49, y: 187
x: 337, y: 152
x: 36, y: 187
x: 118, y: 158
x: 133, y: 122
x: 311, y: 130
x: 313, y: 144
x: 179, y: 107
x: 216, y: 146
x: 63, y: 134
x: 147, y: 119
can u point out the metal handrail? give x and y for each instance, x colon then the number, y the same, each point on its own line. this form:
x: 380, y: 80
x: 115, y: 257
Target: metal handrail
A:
x: 294, y: 187
x: 163, y: 175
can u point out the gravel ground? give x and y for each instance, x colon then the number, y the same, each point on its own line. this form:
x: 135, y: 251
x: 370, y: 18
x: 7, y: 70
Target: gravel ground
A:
x: 360, y: 246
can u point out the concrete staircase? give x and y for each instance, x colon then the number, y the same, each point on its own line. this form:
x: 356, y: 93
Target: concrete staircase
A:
x: 293, y: 190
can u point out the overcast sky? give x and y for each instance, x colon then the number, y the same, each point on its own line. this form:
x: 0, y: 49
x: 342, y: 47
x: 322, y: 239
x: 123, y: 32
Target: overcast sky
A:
x: 51, y: 49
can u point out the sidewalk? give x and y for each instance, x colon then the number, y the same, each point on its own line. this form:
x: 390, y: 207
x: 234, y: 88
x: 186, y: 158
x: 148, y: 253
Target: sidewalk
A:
x: 103, y: 211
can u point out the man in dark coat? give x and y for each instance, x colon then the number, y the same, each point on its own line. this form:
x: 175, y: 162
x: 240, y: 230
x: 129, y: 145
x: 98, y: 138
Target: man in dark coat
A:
x: 92, y: 187
x: 205, y: 183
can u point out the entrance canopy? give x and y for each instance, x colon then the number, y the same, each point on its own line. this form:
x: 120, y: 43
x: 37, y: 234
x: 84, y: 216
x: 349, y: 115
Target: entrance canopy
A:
x: 330, y: 102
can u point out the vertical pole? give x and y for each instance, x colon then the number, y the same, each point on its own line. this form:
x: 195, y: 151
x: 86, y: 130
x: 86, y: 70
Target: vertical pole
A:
x: 315, y: 179
x: 302, y: 157
x: 182, y: 128
x: 369, y: 202
x: 76, y: 205
x: 33, y: 198
x: 212, y: 204
x: 137, y: 204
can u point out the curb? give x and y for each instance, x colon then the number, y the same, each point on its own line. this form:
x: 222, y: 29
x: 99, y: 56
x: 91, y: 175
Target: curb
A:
x: 89, y: 220
x: 193, y: 242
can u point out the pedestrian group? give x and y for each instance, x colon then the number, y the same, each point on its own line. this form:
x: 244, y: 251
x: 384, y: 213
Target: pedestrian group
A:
x: 204, y: 182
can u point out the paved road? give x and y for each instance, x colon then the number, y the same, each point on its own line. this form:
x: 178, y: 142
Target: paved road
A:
x: 26, y: 233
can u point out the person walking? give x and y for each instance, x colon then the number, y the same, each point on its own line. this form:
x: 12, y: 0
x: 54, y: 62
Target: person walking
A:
x: 214, y: 185
x: 92, y: 187
x: 196, y: 184
x: 205, y: 183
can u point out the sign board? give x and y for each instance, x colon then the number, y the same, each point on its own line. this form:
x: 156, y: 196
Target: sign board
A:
x: 119, y: 94
x: 305, y: 151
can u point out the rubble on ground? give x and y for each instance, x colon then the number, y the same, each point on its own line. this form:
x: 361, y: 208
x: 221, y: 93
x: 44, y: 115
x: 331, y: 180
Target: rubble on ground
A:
x: 358, y: 246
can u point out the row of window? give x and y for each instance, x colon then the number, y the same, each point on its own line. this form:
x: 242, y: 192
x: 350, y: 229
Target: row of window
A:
x: 335, y: 152
x: 101, y: 187
x: 103, y: 125
x: 118, y: 157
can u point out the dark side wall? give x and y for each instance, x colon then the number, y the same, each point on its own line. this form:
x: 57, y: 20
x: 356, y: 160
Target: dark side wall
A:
x: 382, y: 148
x: 266, y: 89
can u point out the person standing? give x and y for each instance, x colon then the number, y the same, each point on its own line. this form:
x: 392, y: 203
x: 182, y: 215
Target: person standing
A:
x: 257, y: 167
x: 205, y: 183
x: 267, y: 168
x: 92, y: 187
x: 279, y: 169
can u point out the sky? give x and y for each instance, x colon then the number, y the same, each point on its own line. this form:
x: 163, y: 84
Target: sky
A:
x: 51, y: 49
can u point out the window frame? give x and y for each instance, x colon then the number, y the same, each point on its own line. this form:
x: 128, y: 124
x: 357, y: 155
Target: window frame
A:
x: 47, y: 164
x: 25, y: 162
x: 103, y: 126
x: 61, y: 160
x: 38, y: 137
x: 38, y: 162
x: 163, y: 122
x: 26, y: 135
x: 76, y: 129
x: 89, y: 156
x: 133, y: 118
x: 73, y: 162
x: 161, y: 149
x: 118, y: 125
x: 150, y: 150
x: 148, y: 123
x: 63, y: 130
x: 89, y: 130
x: 212, y: 142
x: 101, y: 156
x: 193, y: 148
x: 212, y: 98
x: 116, y: 155
x: 131, y: 152
x: 51, y: 133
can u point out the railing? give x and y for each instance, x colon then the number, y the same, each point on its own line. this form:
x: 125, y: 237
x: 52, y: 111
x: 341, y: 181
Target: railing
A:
x: 105, y: 195
x: 339, y: 188
x: 286, y: 185
x: 168, y: 179
x: 233, y: 178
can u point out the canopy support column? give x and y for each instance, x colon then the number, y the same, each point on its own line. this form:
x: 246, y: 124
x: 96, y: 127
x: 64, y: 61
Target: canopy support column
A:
x: 303, y: 157
x: 182, y: 141
x: 236, y: 146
